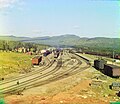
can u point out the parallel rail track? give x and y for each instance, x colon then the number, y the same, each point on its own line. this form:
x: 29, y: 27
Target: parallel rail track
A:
x: 72, y: 70
x: 29, y: 74
x: 35, y: 81
x: 15, y: 87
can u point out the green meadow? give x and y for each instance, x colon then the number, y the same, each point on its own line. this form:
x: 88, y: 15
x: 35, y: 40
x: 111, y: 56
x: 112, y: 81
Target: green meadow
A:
x: 11, y: 62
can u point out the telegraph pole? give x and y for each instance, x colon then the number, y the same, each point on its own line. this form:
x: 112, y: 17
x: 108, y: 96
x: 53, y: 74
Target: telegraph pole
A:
x: 113, y: 54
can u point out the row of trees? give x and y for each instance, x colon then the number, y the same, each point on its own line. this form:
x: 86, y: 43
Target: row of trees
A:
x: 104, y: 51
x: 12, y: 45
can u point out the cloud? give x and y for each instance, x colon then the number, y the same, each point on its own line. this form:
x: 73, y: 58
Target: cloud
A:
x: 7, y: 3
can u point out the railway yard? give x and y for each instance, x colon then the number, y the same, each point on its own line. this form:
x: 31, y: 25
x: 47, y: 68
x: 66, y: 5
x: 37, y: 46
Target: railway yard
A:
x: 64, y: 78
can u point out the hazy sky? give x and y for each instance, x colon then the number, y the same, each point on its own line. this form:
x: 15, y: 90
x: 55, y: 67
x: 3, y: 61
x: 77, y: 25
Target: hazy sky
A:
x: 86, y: 18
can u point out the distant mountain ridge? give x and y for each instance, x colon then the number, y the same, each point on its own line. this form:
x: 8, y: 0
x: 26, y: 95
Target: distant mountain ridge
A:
x: 69, y: 40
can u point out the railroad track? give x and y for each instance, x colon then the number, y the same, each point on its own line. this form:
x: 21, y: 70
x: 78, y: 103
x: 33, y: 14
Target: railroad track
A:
x: 14, y: 88
x: 40, y: 70
x: 29, y: 74
x: 35, y: 81
x: 71, y: 71
x: 58, y: 75
x: 75, y: 69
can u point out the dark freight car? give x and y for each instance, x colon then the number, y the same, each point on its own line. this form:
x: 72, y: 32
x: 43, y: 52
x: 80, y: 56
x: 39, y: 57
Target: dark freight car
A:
x: 112, y: 70
x: 56, y: 55
x: 99, y: 64
x: 46, y: 53
x: 117, y: 56
x: 36, y: 60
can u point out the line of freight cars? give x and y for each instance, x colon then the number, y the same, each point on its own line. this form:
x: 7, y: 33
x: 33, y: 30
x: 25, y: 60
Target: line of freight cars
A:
x: 108, y: 69
x: 37, y: 59
x: 116, y: 56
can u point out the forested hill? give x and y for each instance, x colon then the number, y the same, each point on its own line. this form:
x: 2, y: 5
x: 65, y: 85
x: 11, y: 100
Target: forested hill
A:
x: 12, y: 45
x: 70, y: 40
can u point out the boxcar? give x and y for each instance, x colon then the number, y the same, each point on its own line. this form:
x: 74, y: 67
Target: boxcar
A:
x: 112, y: 70
x: 117, y: 56
x: 99, y: 64
x: 36, y: 60
x: 56, y: 55
x: 46, y: 53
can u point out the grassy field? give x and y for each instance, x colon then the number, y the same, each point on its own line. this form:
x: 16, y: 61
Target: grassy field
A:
x: 11, y: 62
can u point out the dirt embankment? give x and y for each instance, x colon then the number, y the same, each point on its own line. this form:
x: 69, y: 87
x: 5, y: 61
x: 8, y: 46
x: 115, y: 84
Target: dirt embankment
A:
x: 80, y: 94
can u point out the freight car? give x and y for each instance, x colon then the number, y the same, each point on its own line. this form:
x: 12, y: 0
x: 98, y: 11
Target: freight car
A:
x: 99, y: 64
x: 112, y: 70
x: 117, y: 56
x: 45, y: 52
x: 36, y: 60
x: 56, y: 55
x: 99, y: 54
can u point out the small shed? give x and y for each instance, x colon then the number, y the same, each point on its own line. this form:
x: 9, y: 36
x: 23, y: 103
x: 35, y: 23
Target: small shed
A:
x: 115, y: 86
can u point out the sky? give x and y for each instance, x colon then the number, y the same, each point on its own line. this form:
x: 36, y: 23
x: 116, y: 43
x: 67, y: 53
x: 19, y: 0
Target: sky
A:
x: 36, y: 18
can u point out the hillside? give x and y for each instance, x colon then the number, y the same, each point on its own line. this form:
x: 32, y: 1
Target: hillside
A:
x: 13, y: 38
x: 101, y: 42
x: 67, y: 40
x: 70, y: 40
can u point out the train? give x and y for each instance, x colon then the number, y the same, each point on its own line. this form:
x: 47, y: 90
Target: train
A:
x: 36, y: 60
x: 112, y: 70
x: 99, y: 64
x: 116, y: 56
x: 108, y: 69
x: 56, y: 53
x: 45, y: 52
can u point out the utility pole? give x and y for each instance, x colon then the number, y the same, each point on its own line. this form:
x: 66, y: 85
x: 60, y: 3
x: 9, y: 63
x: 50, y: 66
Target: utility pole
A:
x: 113, y: 54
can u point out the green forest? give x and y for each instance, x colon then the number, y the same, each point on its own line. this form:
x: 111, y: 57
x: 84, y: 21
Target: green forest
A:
x: 6, y: 45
